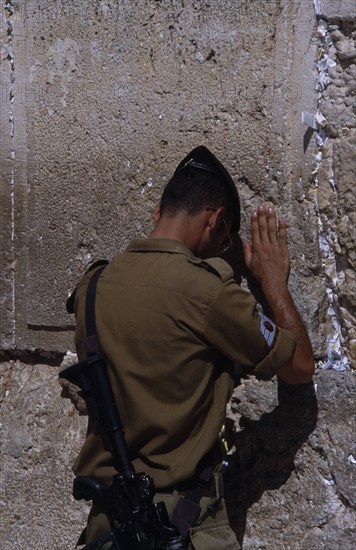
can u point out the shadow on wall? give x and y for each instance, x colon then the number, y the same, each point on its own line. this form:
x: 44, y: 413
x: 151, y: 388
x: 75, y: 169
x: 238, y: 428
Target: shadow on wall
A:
x: 265, y: 450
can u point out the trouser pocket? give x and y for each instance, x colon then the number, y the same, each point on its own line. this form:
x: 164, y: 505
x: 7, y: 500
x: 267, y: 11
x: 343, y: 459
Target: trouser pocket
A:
x: 215, y: 536
x: 214, y: 533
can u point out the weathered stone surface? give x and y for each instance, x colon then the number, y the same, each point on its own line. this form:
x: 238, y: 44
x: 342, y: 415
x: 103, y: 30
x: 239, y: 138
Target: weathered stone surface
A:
x: 337, y: 9
x: 346, y: 49
x: 289, y: 486
x: 39, y: 437
x: 284, y: 493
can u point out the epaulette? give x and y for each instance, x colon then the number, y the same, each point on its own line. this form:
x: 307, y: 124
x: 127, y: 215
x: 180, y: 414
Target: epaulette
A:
x: 71, y: 300
x: 218, y: 266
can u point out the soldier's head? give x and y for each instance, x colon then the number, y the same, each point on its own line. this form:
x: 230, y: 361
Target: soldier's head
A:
x: 202, y: 191
x: 200, y: 181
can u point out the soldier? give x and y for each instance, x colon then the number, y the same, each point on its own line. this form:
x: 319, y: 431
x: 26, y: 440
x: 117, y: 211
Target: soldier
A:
x: 174, y: 323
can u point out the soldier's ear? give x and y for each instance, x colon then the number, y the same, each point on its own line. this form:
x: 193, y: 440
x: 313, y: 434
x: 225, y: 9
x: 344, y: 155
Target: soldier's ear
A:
x: 157, y: 214
x: 216, y: 218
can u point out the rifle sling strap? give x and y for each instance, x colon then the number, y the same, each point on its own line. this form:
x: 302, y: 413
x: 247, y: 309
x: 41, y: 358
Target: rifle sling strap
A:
x: 187, y: 510
x: 92, y: 345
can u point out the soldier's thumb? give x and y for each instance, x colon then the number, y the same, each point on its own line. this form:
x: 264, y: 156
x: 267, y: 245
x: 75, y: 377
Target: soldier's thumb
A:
x: 248, y: 253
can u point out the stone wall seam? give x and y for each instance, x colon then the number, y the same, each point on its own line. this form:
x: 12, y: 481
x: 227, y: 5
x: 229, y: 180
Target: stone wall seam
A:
x: 7, y: 54
x: 336, y: 355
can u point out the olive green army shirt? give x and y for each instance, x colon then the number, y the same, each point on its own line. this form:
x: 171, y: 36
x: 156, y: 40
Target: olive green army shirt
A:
x: 172, y: 327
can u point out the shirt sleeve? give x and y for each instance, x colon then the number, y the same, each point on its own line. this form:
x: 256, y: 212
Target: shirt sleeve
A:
x: 236, y: 327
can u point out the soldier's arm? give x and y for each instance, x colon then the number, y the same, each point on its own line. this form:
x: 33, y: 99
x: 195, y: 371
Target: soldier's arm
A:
x: 267, y: 258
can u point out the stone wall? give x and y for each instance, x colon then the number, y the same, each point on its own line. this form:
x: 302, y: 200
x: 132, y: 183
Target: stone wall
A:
x: 286, y: 490
x: 99, y: 102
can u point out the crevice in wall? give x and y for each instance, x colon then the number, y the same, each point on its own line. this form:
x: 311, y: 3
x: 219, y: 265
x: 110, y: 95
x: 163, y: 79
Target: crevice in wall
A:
x: 326, y: 208
x: 9, y: 11
x: 27, y: 357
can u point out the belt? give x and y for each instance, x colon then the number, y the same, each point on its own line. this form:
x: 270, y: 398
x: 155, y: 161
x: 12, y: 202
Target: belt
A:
x: 215, y: 488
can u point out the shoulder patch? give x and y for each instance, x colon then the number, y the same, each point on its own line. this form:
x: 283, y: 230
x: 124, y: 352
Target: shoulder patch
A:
x: 268, y: 329
x: 219, y: 267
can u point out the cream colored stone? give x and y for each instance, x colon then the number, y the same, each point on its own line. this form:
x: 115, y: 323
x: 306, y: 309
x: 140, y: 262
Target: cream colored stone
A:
x: 346, y: 49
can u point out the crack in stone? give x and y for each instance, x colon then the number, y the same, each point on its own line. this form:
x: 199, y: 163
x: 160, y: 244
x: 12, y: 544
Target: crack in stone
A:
x: 328, y: 240
x: 52, y: 358
x: 9, y: 11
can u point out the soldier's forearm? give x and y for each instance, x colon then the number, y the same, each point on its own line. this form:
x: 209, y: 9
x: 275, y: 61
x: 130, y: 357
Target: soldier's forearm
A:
x: 268, y: 260
x: 285, y: 315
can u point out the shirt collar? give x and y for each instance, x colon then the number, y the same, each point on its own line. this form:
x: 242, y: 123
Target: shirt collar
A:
x: 158, y: 245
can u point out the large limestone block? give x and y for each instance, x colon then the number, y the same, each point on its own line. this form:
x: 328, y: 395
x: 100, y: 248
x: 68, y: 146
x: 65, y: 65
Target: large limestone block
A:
x: 107, y: 99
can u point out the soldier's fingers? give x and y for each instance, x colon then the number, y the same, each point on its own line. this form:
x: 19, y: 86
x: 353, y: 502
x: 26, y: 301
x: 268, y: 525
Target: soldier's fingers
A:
x: 262, y: 224
x: 255, y: 232
x: 282, y: 231
x: 272, y: 224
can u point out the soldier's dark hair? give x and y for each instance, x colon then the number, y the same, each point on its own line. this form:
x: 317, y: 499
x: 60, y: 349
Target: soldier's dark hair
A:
x: 192, y: 190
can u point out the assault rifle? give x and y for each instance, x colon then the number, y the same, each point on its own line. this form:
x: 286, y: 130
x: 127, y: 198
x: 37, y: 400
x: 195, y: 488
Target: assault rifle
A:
x: 138, y: 522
